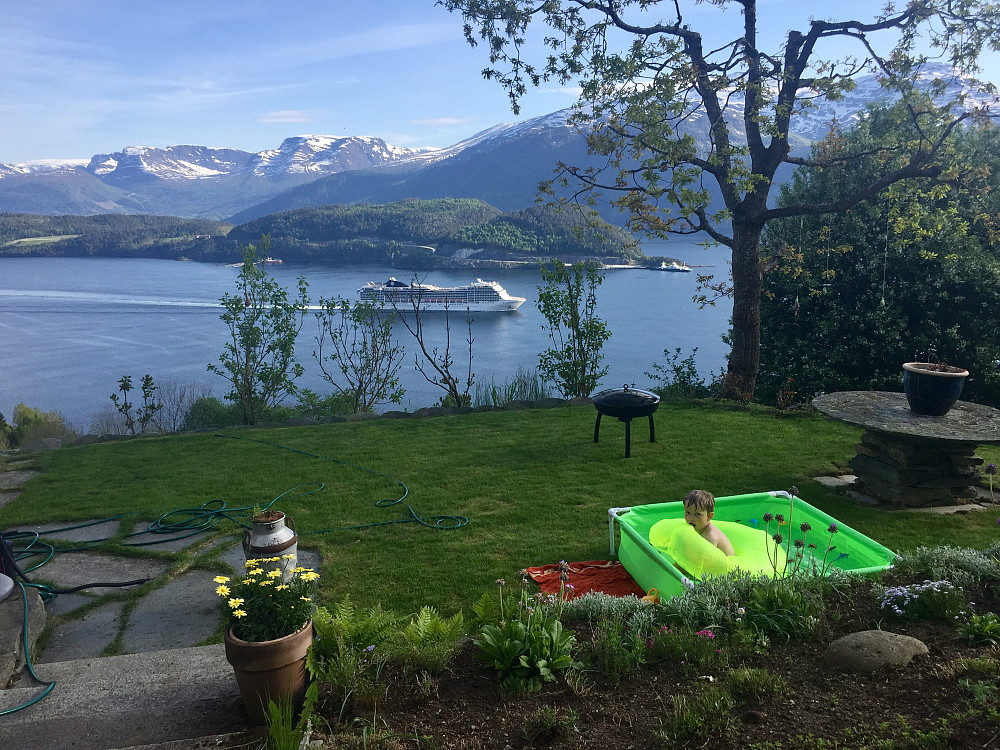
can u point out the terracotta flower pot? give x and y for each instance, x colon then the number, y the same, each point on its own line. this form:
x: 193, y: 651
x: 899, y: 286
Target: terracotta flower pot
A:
x: 270, y: 670
x: 932, y: 389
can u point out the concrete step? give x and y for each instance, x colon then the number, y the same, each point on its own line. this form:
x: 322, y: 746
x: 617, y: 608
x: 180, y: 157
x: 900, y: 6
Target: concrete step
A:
x: 132, y: 700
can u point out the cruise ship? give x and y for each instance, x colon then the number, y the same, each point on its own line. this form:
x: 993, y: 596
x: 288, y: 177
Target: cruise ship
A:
x: 479, y: 296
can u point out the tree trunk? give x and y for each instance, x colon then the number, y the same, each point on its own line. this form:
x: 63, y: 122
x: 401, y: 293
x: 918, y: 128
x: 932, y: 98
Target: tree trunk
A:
x: 741, y: 378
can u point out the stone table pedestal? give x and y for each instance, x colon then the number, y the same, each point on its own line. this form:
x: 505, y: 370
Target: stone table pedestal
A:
x: 909, y: 460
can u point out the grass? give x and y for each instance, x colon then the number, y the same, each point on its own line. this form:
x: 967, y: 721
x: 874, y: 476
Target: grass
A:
x: 533, y: 484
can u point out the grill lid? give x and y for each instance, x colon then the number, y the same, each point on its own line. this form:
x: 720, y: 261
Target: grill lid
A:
x: 626, y: 402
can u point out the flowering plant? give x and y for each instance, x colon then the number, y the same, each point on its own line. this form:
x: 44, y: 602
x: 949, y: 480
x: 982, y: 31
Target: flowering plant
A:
x: 262, y: 606
x: 930, y: 599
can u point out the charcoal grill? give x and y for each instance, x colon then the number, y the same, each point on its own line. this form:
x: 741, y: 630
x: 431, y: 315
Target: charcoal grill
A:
x: 626, y: 404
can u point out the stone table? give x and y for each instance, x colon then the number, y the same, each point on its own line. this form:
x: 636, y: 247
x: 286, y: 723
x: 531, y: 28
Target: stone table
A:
x: 906, y: 459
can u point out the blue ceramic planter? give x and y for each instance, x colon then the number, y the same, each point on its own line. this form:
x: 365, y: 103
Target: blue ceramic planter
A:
x: 932, y: 392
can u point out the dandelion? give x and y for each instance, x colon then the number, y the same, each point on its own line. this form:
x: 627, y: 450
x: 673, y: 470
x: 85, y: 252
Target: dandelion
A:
x: 222, y: 590
x: 221, y: 579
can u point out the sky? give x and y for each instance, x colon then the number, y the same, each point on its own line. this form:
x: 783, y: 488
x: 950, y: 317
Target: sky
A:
x: 85, y: 77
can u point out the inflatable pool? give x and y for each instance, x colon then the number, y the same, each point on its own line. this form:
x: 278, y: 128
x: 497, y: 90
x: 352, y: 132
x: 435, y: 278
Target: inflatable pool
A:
x: 660, y: 551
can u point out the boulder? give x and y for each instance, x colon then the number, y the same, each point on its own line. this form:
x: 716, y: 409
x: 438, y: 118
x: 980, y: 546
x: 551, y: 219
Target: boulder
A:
x: 871, y: 650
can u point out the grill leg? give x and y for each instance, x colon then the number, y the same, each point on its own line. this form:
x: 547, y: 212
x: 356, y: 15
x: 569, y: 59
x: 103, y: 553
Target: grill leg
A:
x: 597, y: 426
x: 652, y: 430
x: 628, y: 437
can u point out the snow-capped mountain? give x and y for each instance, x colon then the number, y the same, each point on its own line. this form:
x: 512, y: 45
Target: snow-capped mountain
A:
x: 501, y: 165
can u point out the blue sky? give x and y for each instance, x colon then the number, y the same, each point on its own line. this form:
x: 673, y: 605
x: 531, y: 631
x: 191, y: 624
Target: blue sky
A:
x: 82, y: 77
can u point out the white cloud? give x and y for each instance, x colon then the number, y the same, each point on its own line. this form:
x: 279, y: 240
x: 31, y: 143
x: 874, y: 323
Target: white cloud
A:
x: 286, y: 115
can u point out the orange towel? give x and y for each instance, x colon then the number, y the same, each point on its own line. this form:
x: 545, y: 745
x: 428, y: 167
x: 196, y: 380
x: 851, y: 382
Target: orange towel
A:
x: 592, y: 575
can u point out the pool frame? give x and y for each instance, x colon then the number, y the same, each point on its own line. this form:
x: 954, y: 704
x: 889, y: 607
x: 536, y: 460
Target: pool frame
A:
x: 651, y: 568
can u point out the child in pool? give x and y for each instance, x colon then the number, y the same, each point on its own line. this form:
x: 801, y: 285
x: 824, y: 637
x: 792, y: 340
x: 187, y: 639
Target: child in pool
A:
x: 699, y: 508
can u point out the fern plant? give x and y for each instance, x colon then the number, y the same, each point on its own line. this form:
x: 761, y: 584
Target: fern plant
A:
x: 351, y: 648
x: 429, y: 641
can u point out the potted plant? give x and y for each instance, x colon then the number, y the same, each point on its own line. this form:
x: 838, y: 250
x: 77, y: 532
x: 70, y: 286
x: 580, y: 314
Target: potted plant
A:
x: 932, y: 388
x: 269, y: 634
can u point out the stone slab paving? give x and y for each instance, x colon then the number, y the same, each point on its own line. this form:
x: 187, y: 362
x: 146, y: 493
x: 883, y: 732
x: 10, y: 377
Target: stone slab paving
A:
x: 170, y: 542
x: 94, y: 533
x: 66, y: 603
x: 71, y: 569
x: 84, y: 638
x: 183, y: 613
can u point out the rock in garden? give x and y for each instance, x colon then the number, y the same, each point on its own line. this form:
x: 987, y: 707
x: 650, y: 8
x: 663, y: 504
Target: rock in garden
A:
x: 871, y: 650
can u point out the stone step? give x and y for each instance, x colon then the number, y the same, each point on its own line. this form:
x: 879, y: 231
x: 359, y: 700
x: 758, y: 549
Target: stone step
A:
x: 126, y: 701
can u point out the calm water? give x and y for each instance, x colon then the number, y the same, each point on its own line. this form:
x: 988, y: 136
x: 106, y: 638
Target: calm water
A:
x: 71, y: 327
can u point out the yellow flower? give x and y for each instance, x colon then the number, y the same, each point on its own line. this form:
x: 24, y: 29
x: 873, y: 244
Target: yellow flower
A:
x: 222, y: 590
x: 235, y: 603
x: 305, y: 598
x: 221, y: 579
x: 266, y: 582
x: 248, y: 580
x: 239, y: 613
x: 256, y: 572
x: 288, y: 557
x: 252, y: 563
x: 282, y: 587
x: 309, y: 576
x: 273, y: 573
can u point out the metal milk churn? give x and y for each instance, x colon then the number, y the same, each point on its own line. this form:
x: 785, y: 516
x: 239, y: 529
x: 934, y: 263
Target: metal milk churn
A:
x: 272, y: 535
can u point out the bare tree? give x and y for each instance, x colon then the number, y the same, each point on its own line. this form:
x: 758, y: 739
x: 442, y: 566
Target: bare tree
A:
x: 670, y: 112
x: 438, y: 363
x: 364, y: 362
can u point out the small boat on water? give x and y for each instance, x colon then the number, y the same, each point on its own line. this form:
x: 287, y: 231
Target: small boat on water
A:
x: 479, y: 296
x: 674, y: 267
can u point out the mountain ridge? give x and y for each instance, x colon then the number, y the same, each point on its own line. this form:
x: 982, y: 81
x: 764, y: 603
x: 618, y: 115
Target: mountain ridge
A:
x: 501, y: 165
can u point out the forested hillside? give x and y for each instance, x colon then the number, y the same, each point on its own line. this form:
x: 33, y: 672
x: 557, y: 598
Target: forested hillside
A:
x: 108, y: 235
x: 417, y: 232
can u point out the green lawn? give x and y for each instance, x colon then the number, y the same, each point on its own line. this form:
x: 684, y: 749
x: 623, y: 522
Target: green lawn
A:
x: 533, y: 485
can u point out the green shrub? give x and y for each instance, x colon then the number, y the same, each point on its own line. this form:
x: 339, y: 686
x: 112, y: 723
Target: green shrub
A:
x: 209, y: 412
x: 965, y: 567
x: 31, y: 423
x: 753, y: 684
x: 549, y: 723
x: 940, y: 600
x: 678, y: 379
x: 786, y: 607
x: 694, y: 649
x: 708, y: 712
x: 614, y: 650
x: 981, y: 629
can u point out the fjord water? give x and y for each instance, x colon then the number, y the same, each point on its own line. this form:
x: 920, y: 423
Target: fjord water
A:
x: 71, y: 327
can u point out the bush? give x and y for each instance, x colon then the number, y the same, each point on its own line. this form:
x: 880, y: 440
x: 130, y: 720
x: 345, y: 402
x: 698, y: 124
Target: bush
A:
x: 209, y: 412
x: 941, y: 600
x: 678, y: 379
x: 965, y: 567
x: 34, y: 424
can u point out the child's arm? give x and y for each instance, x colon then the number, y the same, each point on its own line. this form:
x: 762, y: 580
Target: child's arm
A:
x: 723, y: 543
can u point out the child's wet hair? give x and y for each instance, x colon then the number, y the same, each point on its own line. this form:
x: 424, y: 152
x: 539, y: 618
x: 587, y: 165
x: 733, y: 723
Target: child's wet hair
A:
x: 700, y: 500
